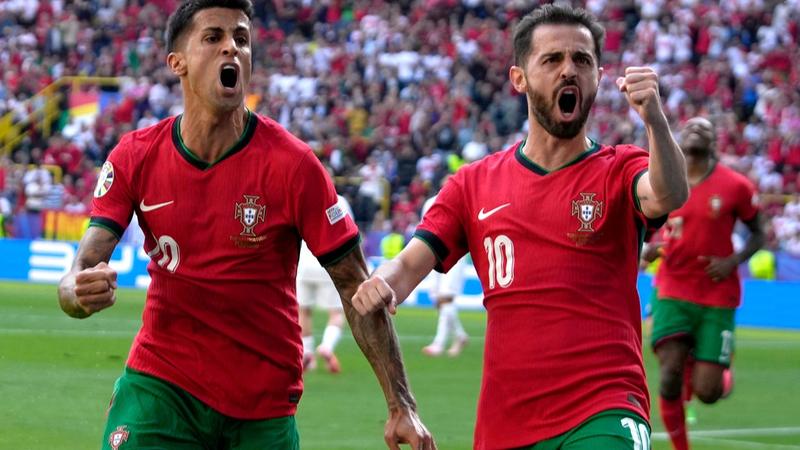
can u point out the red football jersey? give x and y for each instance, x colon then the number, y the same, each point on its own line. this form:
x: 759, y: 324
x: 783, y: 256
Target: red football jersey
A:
x: 221, y: 314
x: 557, y: 255
x: 703, y: 227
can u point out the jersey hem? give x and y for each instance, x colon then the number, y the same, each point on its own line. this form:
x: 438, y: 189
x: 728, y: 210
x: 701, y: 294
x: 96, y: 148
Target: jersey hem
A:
x: 108, y: 224
x: 571, y: 425
x: 338, y: 254
x: 270, y: 413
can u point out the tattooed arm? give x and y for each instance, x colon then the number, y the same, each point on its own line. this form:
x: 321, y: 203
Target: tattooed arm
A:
x: 375, y: 335
x: 90, y: 285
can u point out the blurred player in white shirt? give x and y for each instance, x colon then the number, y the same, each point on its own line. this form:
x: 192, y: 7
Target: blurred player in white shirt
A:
x: 444, y: 289
x: 315, y: 288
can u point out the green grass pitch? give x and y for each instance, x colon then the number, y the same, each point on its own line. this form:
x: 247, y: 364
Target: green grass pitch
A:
x: 56, y: 375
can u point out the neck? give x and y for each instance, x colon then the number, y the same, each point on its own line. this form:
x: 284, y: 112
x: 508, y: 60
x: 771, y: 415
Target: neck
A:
x: 209, y: 134
x: 698, y: 167
x: 550, y: 152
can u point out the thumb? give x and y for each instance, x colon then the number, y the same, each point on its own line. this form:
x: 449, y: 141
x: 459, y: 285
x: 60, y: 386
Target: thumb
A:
x: 621, y: 84
x: 393, y: 305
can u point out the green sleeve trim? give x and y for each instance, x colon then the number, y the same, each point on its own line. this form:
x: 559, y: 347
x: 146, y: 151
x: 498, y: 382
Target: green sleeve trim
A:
x: 338, y: 254
x: 108, y: 224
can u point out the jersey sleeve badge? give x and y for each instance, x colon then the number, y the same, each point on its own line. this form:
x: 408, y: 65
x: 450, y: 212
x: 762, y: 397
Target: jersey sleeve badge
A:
x: 105, y: 180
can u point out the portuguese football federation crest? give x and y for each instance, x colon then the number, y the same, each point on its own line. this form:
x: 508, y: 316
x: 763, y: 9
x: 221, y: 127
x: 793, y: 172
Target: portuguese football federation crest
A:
x: 250, y: 214
x: 715, y: 205
x: 118, y: 437
x: 588, y: 210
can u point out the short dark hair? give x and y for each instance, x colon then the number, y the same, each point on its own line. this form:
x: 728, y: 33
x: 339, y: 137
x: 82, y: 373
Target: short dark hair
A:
x: 554, y: 15
x: 182, y: 17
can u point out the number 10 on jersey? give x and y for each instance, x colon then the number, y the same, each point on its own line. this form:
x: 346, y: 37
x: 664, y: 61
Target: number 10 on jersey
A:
x: 500, y: 252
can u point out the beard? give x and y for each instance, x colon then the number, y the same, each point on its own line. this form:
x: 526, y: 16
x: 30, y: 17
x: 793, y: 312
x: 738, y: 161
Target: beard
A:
x: 542, y: 108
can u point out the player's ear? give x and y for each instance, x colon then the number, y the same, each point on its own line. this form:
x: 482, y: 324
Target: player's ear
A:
x: 517, y: 76
x: 177, y: 63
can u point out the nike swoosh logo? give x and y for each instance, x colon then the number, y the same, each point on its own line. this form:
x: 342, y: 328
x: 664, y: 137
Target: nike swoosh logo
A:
x: 147, y: 208
x: 482, y: 215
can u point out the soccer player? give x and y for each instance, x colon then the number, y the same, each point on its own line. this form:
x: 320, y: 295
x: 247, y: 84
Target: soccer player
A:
x: 224, y: 197
x: 554, y: 225
x: 315, y: 288
x: 444, y: 289
x: 698, y: 282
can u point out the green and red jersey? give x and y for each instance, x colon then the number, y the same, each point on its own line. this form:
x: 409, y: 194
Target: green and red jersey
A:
x: 220, y: 319
x: 557, y: 255
x: 701, y: 228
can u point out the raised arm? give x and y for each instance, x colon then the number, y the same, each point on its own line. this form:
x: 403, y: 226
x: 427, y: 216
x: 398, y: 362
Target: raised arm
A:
x: 375, y: 335
x: 664, y: 187
x: 90, y: 284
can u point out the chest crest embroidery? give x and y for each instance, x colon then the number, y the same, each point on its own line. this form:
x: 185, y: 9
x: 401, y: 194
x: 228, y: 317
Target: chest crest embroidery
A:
x: 715, y: 205
x: 587, y: 209
x: 250, y: 214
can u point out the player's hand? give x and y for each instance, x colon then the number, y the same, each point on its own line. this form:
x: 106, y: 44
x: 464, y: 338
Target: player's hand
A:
x: 719, y: 268
x: 95, y: 288
x: 650, y: 252
x: 640, y: 85
x: 405, y: 427
x: 374, y: 294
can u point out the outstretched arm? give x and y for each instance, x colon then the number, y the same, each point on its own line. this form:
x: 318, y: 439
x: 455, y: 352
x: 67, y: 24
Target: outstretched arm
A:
x: 90, y: 284
x: 664, y: 187
x: 375, y: 335
x: 393, y: 281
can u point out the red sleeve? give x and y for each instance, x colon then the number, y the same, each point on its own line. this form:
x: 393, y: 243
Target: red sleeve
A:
x: 442, y: 227
x: 747, y: 201
x: 327, y: 228
x: 113, y: 202
x: 633, y: 163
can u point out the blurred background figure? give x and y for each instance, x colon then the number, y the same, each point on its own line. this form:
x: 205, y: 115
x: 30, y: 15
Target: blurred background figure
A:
x: 316, y: 289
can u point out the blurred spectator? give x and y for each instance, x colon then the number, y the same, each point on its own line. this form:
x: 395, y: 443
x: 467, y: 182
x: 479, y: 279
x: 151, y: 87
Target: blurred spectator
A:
x: 403, y: 90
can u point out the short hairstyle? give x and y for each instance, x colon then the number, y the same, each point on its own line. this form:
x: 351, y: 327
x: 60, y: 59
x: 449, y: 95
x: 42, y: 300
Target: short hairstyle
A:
x: 181, y: 19
x: 554, y: 15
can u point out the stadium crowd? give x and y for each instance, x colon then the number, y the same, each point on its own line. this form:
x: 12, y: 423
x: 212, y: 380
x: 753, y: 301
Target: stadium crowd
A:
x: 397, y: 94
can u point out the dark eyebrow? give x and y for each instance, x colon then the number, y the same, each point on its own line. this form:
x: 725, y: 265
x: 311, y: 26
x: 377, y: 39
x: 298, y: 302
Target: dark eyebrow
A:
x: 551, y: 54
x: 238, y: 29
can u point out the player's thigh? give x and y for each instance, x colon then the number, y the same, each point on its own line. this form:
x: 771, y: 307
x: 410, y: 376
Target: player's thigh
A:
x: 306, y: 293
x: 271, y: 434
x: 147, y: 413
x: 673, y: 319
x: 714, y: 341
x: 610, y: 430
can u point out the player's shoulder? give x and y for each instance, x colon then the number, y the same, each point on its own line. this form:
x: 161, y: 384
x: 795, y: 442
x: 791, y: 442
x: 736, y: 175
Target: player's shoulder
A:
x: 622, y: 151
x: 733, y: 179
x: 491, y: 164
x: 271, y: 135
x: 137, y: 144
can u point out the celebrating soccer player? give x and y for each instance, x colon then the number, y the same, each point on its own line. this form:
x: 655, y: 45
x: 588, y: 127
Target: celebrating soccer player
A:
x: 223, y: 197
x: 698, y: 283
x: 554, y: 225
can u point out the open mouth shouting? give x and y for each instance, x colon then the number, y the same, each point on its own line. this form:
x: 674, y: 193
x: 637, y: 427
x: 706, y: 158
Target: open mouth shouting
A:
x: 229, y: 77
x: 568, y: 99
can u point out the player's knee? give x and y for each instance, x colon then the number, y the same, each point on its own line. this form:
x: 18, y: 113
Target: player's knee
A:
x: 671, y: 380
x: 708, y: 392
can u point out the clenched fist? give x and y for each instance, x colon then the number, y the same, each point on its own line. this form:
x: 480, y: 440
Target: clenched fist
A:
x: 95, y: 288
x: 374, y: 294
x: 640, y: 85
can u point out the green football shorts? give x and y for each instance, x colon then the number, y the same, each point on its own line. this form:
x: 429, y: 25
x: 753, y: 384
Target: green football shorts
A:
x: 148, y: 413
x: 711, y: 329
x: 615, y: 429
